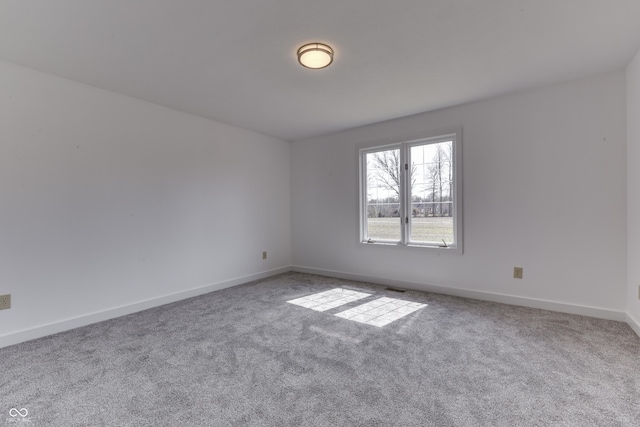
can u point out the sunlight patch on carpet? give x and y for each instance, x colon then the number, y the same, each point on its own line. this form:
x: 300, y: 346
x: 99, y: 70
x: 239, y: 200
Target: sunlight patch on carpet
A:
x: 327, y: 300
x: 381, y: 311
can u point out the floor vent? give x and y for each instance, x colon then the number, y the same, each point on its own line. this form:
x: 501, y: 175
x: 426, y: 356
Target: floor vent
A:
x: 394, y: 290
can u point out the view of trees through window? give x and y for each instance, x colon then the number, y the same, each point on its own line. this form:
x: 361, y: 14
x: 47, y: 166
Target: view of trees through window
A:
x: 431, y: 188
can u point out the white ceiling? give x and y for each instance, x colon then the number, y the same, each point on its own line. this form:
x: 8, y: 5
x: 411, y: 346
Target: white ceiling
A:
x: 235, y: 60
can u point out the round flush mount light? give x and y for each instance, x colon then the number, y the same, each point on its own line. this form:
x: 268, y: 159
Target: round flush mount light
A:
x: 315, y: 55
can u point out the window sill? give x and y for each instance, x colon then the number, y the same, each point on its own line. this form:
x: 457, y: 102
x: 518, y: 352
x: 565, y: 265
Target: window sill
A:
x: 454, y: 250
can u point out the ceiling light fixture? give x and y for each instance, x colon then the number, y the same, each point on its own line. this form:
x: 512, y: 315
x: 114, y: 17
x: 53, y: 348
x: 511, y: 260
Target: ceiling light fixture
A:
x: 315, y: 55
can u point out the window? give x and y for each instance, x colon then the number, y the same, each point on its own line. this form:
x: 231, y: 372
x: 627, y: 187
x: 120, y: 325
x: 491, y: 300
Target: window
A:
x: 410, y: 193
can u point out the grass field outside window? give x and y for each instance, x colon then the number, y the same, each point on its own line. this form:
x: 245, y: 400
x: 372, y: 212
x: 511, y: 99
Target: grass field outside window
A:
x: 430, y: 229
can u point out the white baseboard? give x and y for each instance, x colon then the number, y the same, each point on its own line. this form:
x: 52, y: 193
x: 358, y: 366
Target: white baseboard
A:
x: 76, y: 322
x: 633, y: 324
x: 484, y: 296
x: 87, y: 319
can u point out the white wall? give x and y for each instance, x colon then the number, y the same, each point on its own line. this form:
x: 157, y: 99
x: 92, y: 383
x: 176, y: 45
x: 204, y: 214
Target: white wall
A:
x: 110, y: 204
x: 544, y: 189
x: 633, y: 190
x: 107, y: 201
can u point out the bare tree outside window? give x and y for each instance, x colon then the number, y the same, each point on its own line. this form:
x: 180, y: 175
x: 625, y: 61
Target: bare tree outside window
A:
x: 383, y: 195
x: 430, y: 191
x: 386, y: 165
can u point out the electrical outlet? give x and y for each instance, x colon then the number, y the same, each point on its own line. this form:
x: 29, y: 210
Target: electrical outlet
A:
x: 264, y: 255
x: 517, y: 272
x: 5, y: 301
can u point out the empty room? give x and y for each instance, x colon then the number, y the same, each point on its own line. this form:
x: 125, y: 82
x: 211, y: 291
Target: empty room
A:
x: 336, y: 213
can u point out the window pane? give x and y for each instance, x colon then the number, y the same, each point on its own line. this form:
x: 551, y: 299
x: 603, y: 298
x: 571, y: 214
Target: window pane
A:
x: 383, y: 195
x: 432, y: 193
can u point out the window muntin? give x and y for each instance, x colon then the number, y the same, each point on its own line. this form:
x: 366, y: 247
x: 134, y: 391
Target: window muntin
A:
x: 410, y: 193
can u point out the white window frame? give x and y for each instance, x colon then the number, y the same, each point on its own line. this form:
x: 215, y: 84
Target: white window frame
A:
x: 405, y: 144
